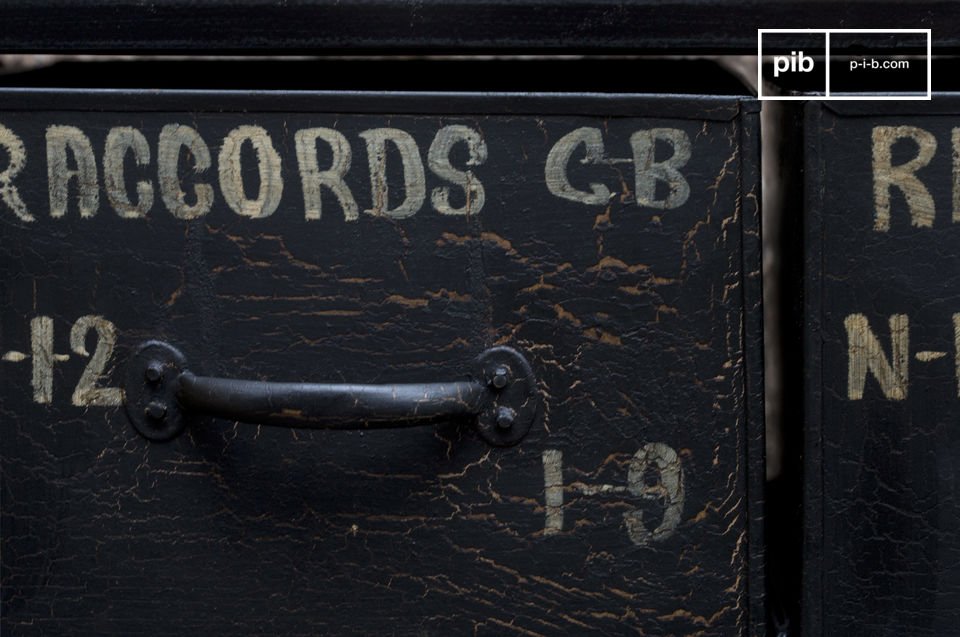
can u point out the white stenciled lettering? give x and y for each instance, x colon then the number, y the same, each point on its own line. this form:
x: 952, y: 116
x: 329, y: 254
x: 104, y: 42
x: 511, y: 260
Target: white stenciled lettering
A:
x: 87, y: 392
x: 438, y: 158
x: 59, y: 174
x: 553, y: 491
x: 44, y: 358
x: 955, y: 143
x: 655, y: 458
x: 41, y: 347
x: 314, y: 179
x: 555, y: 170
x: 865, y: 354
x: 119, y: 142
x: 17, y: 158
x: 414, y: 180
x: 648, y: 172
x: 173, y: 137
x: 903, y: 176
x: 956, y: 346
x: 231, y: 172
x: 667, y: 489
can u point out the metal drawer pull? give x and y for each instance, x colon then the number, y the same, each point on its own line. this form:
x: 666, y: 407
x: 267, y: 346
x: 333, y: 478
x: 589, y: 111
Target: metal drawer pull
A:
x: 499, y: 393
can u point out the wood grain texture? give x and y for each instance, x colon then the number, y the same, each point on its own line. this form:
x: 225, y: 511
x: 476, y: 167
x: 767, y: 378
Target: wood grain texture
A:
x: 642, y: 326
x: 882, y: 524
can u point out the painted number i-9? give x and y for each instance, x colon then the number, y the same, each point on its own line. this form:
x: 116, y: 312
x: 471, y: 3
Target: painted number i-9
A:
x: 655, y: 474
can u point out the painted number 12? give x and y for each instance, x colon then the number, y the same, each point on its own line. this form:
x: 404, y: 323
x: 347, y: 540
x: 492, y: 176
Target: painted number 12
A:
x: 87, y: 391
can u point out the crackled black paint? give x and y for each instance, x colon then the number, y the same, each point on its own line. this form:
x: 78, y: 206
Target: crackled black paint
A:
x: 882, y: 517
x: 641, y: 325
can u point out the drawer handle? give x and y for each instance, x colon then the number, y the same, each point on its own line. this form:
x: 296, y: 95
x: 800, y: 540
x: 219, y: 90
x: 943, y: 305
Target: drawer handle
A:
x: 499, y: 395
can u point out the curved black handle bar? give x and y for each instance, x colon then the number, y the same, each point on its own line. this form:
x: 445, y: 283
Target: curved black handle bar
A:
x: 329, y: 406
x: 499, y: 393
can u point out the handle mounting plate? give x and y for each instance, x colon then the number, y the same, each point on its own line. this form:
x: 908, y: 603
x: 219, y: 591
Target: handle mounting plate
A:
x: 507, y: 417
x: 152, y: 383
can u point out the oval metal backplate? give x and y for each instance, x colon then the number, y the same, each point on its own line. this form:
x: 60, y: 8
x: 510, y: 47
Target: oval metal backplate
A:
x: 151, y: 385
x: 506, y: 419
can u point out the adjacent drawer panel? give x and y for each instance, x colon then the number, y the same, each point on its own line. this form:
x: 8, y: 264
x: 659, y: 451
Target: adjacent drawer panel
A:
x: 370, y: 239
x: 882, y: 519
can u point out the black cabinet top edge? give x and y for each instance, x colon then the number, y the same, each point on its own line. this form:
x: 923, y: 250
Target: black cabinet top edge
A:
x: 705, y: 107
x: 475, y: 26
x: 941, y: 104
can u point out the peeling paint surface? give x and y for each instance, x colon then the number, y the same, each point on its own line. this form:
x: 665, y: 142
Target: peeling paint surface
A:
x: 635, y: 318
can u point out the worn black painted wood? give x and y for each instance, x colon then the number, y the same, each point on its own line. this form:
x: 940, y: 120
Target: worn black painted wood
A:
x: 882, y: 529
x: 709, y: 26
x: 642, y: 326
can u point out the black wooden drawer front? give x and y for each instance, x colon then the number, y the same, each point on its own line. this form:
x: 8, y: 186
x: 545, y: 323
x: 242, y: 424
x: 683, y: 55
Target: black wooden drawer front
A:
x: 382, y: 239
x: 882, y: 519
